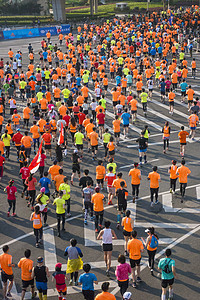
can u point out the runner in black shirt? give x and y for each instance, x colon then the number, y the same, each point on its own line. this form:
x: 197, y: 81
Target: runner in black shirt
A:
x: 142, y: 148
x: 122, y: 194
x: 75, y: 165
x: 84, y: 179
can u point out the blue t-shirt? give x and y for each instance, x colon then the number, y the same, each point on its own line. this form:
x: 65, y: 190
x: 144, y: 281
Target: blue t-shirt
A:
x: 161, y: 265
x: 159, y: 49
x: 183, y: 86
x: 125, y: 118
x: 78, y: 81
x: 129, y: 78
x: 45, y: 54
x: 44, y: 181
x: 87, y: 280
x: 118, y: 79
x: 162, y: 86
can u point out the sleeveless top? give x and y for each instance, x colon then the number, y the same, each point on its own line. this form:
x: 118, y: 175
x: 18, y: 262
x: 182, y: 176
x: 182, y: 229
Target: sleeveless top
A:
x: 127, y: 224
x: 107, y: 236
x: 40, y: 274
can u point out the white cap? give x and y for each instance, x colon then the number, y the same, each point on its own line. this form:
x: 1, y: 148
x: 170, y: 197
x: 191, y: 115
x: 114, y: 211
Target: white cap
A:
x: 127, y: 296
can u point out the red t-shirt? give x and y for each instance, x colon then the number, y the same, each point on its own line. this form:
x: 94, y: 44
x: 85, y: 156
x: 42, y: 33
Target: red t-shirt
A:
x: 25, y: 172
x: 81, y: 117
x: 2, y: 159
x: 11, y: 190
x: 101, y: 118
x: 43, y: 157
x: 31, y: 185
x: 66, y: 118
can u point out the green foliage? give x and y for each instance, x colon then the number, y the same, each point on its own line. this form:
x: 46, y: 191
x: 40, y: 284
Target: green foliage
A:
x: 20, y: 8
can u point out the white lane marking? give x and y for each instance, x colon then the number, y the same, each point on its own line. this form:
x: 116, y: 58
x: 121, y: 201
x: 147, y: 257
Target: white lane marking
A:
x: 198, y: 192
x: 158, y: 255
x: 150, y: 161
x: 166, y: 225
x: 167, y: 107
x: 149, y: 122
x: 188, y: 163
x: 49, y: 248
x: 154, y: 144
x: 167, y: 202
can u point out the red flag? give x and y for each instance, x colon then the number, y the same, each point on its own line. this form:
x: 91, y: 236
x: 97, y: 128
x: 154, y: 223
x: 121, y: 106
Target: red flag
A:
x: 61, y: 137
x: 34, y: 165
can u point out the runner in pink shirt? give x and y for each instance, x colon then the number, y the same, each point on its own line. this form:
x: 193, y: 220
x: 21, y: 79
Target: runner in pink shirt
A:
x: 11, y: 197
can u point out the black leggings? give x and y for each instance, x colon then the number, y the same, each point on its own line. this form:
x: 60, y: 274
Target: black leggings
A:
x: 38, y: 234
x: 12, y: 204
x: 154, y: 191
x: 32, y: 197
x: 74, y: 275
x: 151, y: 255
x: 98, y: 218
x: 25, y: 186
x: 41, y: 169
x: 135, y: 190
x: 59, y: 218
x: 45, y: 216
x: 7, y: 151
x: 68, y: 205
x: 182, y: 188
x: 44, y: 292
x: 106, y: 149
x: 123, y: 286
x: 173, y: 184
x: 164, y: 144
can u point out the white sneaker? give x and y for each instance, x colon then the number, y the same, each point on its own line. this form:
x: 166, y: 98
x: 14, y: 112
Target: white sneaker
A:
x: 152, y: 204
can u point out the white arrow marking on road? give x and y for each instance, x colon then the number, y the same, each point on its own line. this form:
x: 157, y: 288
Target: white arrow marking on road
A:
x: 150, y: 161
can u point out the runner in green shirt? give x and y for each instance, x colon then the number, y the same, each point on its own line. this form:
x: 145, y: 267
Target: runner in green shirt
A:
x: 106, y: 140
x: 65, y: 188
x: 103, y: 101
x: 60, y: 211
x: 144, y: 97
x: 66, y: 92
x: 79, y: 137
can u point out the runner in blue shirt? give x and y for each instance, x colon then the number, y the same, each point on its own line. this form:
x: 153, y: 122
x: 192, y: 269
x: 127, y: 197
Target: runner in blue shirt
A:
x: 46, y: 183
x: 87, y: 281
x: 183, y: 87
x: 125, y: 120
x: 162, y: 90
x: 118, y: 80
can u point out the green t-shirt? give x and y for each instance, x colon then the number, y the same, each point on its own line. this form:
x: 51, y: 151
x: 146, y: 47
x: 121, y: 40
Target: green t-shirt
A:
x: 6, y: 86
x: 79, y: 138
x: 126, y: 71
x: 161, y: 265
x: 114, y: 165
x: 60, y: 205
x: 143, y: 97
x: 66, y: 190
x: 39, y: 96
x: 66, y: 93
x: 5, y: 139
x: 103, y: 103
x: 181, y: 56
x: 47, y: 74
x: 85, y: 78
x: 22, y: 84
x: 44, y: 199
x: 106, y: 137
x: 120, y: 60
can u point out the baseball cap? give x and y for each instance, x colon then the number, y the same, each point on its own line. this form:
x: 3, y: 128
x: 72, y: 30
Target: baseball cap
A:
x: 58, y: 265
x: 42, y: 190
x: 147, y: 230
x: 127, y: 295
x: 97, y: 189
x: 75, y: 150
x: 18, y: 129
x: 40, y: 259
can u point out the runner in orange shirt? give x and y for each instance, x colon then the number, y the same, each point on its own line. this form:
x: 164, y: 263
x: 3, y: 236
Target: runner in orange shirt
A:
x: 193, y: 121
x: 183, y: 173
x: 182, y: 136
x: 26, y: 115
x: 6, y: 271
x: 27, y: 142
x: 135, y: 181
x: 94, y: 142
x: 154, y: 178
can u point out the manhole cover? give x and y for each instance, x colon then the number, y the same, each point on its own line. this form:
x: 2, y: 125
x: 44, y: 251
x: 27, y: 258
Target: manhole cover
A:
x: 192, y: 204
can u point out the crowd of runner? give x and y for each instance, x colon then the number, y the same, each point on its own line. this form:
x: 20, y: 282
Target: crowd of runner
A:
x: 63, y: 94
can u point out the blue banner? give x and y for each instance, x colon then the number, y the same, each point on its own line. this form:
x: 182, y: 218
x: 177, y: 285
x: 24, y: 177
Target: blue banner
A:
x: 20, y: 33
x: 33, y: 32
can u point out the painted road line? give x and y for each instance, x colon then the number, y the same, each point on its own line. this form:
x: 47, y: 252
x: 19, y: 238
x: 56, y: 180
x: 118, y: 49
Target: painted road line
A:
x: 162, y: 252
x: 153, y: 144
x: 176, y: 101
x: 158, y: 127
x: 190, y: 210
x: 167, y: 203
x: 166, y: 225
x: 49, y: 248
x: 198, y: 192
x: 150, y: 161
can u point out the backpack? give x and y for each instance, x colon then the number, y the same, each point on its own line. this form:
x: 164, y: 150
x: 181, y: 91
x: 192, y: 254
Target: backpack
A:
x: 166, y: 268
x: 154, y: 242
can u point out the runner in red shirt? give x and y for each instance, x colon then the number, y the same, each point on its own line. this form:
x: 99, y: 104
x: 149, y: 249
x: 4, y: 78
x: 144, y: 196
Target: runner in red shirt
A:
x: 110, y: 177
x: 47, y: 137
x: 101, y: 122
x: 25, y: 172
x: 2, y: 159
x: 11, y: 197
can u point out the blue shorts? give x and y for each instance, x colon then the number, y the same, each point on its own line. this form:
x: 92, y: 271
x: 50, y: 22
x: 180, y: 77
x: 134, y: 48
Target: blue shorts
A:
x: 35, y: 140
x: 193, y: 128
x: 143, y: 150
x: 41, y: 285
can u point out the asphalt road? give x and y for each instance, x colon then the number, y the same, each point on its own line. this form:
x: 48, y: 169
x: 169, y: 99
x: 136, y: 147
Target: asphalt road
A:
x: 181, y: 227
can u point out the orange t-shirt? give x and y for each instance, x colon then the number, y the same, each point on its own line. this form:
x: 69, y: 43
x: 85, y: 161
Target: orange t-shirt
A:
x: 26, y: 113
x: 182, y: 136
x: 43, y: 103
x: 116, y: 125
x: 105, y: 296
x: 97, y: 199
x: 183, y: 172
x: 62, y: 110
x: 135, y: 174
x: 35, y: 131
x: 58, y: 180
x: 47, y: 138
x: 26, y: 141
x: 2, y: 147
x: 26, y: 265
x: 172, y: 172
x: 5, y: 260
x: 54, y: 170
x: 134, y: 248
x: 154, y: 180
x: 89, y: 128
x: 100, y: 172
x: 93, y: 138
x: 116, y: 183
x: 133, y: 104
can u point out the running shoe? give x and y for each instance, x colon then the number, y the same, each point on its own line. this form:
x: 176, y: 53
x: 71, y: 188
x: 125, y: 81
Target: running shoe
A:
x: 152, y: 204
x: 34, y: 295
x: 37, y: 245
x: 118, y: 225
x: 14, y: 215
x: 134, y: 285
x: 152, y: 272
x: 8, y: 214
x: 156, y: 202
x: 138, y: 279
x: 9, y: 294
x: 85, y: 222
x: 170, y: 190
x: 92, y: 218
x: 96, y: 230
x: 107, y: 273
x: 71, y: 282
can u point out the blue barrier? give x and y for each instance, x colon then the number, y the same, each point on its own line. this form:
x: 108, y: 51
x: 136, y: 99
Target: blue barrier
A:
x: 20, y: 33
x: 33, y: 32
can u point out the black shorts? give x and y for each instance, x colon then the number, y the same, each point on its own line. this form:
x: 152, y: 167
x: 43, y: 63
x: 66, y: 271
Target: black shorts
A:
x: 100, y: 181
x: 101, y: 125
x: 134, y: 262
x: 115, y: 103
x: 133, y: 111
x: 76, y: 168
x: 122, y: 207
x: 166, y: 282
x: 47, y: 147
x: 171, y: 103
x: 94, y: 147
x: 79, y: 147
x: 183, y: 93
x: 126, y: 233
x: 5, y: 277
x: 112, y: 152
x: 162, y: 93
x: 26, y: 283
x: 107, y: 247
x: 126, y: 125
x: 183, y: 144
x: 190, y: 101
x: 105, y: 87
x: 167, y: 90
x: 88, y: 294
